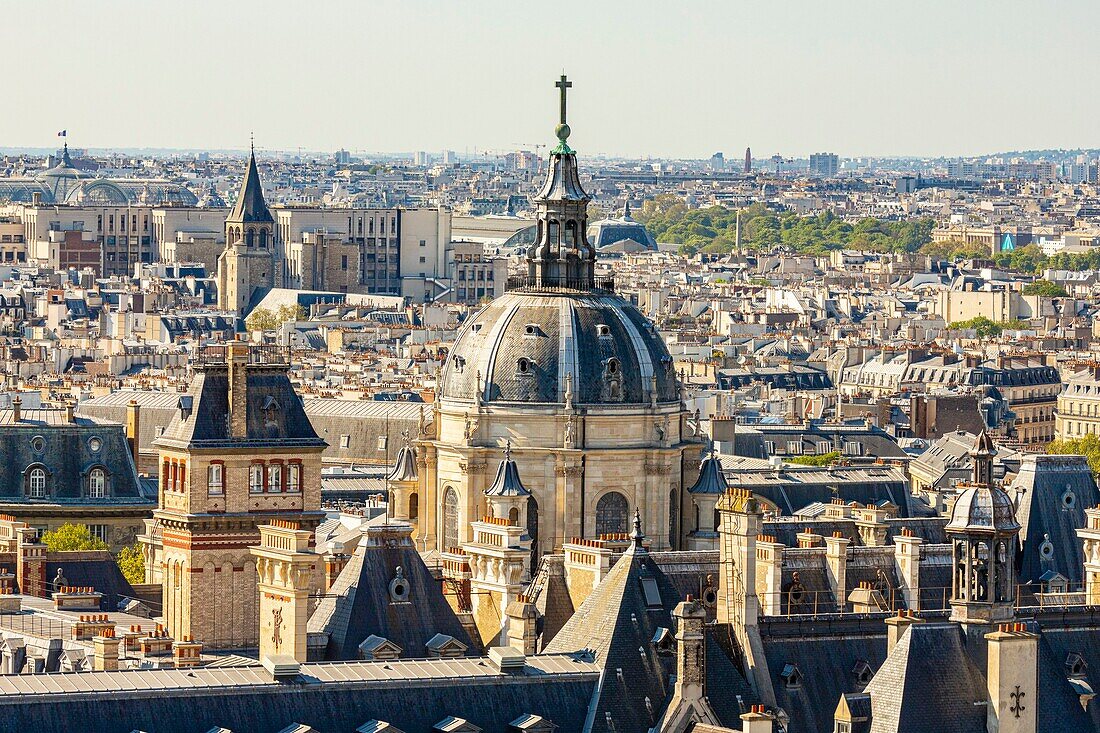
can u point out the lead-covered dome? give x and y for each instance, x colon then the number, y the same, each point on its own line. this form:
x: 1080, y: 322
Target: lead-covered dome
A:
x: 526, y: 346
x: 983, y: 509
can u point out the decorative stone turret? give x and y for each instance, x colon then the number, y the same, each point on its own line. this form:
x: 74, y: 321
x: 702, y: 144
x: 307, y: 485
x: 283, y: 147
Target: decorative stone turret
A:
x: 284, y: 566
x: 982, y: 531
x: 704, y: 495
x: 507, y: 497
x: 404, y: 482
x: 1090, y: 538
x: 907, y: 563
x: 836, y: 566
x: 498, y: 561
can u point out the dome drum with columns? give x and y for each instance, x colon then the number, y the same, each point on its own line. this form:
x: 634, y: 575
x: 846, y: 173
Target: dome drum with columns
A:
x: 576, y: 380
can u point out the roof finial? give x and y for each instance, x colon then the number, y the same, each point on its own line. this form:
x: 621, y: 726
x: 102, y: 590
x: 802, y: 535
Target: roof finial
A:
x: 562, y: 130
x: 252, y: 142
x: 508, y: 451
x: 636, y: 534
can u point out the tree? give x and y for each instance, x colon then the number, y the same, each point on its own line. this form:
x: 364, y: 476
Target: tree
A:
x: 986, y: 327
x: 261, y: 319
x: 72, y: 538
x: 132, y: 564
x: 1045, y: 288
x: 1086, y: 445
x: 290, y: 312
x: 825, y: 459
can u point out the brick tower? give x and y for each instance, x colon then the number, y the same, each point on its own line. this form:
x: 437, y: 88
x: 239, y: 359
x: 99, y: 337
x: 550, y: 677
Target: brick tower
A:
x: 239, y: 453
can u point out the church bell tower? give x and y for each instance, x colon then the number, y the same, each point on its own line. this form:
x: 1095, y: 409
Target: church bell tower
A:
x: 249, y: 259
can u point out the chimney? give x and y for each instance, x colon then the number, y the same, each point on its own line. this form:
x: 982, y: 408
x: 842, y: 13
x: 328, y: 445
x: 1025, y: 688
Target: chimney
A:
x: 69, y: 407
x: 522, y: 625
x: 769, y: 571
x: 31, y: 563
x: 1011, y: 679
x: 36, y: 198
x: 335, y: 562
x: 238, y: 389
x: 105, y: 651
x: 896, y: 626
x: 742, y: 519
x: 757, y: 721
x: 133, y: 425
x: 836, y: 565
x: 907, y: 563
x: 691, y: 678
x: 17, y: 409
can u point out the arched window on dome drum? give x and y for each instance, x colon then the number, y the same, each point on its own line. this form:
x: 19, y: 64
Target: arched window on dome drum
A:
x: 414, y: 506
x: 533, y: 531
x: 611, y: 511
x: 571, y: 234
x: 450, y: 518
x: 554, y: 237
x: 673, y: 517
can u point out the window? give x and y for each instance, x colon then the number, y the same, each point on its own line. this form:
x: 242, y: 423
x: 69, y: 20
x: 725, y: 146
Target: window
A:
x: 97, y: 483
x: 345, y: 441
x: 450, y: 519
x: 852, y: 448
x: 294, y: 478
x: 824, y: 447
x: 36, y: 483
x: 215, y: 479
x: 256, y: 478
x: 275, y: 478
x: 611, y: 512
x: 414, y: 506
x: 98, y: 531
x: 794, y: 447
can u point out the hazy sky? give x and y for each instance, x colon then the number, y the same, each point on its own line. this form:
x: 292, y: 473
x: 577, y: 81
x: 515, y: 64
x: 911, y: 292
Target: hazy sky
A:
x: 674, y: 78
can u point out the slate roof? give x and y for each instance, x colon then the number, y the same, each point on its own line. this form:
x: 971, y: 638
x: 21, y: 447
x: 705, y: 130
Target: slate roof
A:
x: 333, y: 698
x: 711, y: 479
x: 1051, y: 495
x: 507, y: 482
x: 825, y: 654
x: 67, y: 451
x: 561, y: 338
x: 617, y: 624
x: 928, y: 683
x: 250, y: 205
x: 359, y: 605
x: 274, y: 411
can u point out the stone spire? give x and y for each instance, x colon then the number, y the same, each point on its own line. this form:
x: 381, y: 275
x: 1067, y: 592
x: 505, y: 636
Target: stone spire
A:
x: 562, y: 256
x: 250, y: 206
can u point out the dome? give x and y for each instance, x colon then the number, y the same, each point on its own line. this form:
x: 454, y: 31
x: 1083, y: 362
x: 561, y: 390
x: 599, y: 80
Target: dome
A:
x: 612, y: 231
x: 525, y: 347
x: 983, y: 509
x: 63, y: 177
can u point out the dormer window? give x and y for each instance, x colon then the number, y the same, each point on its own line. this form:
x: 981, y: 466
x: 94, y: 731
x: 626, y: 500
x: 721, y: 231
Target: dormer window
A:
x: 862, y: 673
x: 603, y: 330
x: 523, y: 366
x: 97, y: 483
x: 791, y: 676
x: 1076, y: 666
x: 612, y: 366
x: 459, y: 364
x: 531, y: 329
x: 36, y: 483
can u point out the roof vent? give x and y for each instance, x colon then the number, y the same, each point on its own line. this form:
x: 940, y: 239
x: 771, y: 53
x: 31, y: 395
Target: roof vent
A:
x: 507, y: 659
x: 282, y: 667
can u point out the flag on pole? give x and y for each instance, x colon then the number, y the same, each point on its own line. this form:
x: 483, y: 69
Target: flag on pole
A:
x: 63, y: 133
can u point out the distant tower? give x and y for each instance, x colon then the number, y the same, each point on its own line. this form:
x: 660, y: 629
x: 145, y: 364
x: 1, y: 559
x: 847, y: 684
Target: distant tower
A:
x: 982, y: 531
x: 248, y: 261
x: 748, y: 161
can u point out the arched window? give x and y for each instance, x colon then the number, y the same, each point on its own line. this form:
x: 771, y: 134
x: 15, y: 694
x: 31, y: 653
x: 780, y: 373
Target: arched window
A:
x: 533, y: 531
x: 414, y: 506
x: 673, y: 516
x: 450, y: 518
x: 256, y: 478
x: 36, y: 483
x: 571, y: 234
x: 97, y: 483
x: 611, y: 512
x: 263, y: 238
x: 555, y: 239
x: 513, y: 515
x: 250, y: 237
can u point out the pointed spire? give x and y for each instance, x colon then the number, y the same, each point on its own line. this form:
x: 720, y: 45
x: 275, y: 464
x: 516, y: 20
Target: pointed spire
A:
x: 711, y: 479
x: 507, y: 481
x: 626, y: 209
x: 65, y: 159
x: 250, y: 205
x: 404, y: 465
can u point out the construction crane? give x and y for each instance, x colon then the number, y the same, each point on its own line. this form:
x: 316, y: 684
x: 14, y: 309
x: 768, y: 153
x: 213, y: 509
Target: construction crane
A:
x: 537, y: 146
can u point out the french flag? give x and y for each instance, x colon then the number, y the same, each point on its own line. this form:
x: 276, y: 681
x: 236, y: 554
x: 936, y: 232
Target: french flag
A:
x: 63, y: 133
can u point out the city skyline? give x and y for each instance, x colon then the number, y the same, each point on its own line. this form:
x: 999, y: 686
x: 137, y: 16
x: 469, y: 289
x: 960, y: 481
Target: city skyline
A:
x: 651, y: 80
